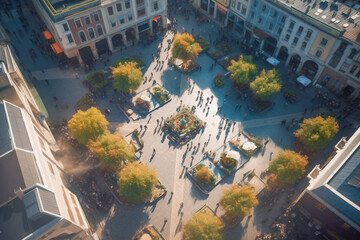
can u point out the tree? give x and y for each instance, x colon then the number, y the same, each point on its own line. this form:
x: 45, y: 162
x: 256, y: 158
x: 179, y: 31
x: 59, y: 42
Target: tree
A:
x: 315, y: 133
x: 98, y: 79
x: 185, y: 47
x: 243, y: 71
x: 127, y: 76
x: 238, y: 201
x: 112, y: 150
x: 203, y: 225
x: 288, y: 166
x: 86, y: 125
x: 266, y: 84
x: 137, y: 182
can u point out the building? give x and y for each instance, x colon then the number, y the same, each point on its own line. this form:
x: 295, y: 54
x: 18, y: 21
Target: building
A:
x: 332, y: 199
x: 34, y: 201
x: 87, y: 29
x: 216, y: 9
x: 236, y: 18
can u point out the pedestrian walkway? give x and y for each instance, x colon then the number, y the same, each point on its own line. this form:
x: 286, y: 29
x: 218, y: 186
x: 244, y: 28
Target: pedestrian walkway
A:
x: 270, y: 121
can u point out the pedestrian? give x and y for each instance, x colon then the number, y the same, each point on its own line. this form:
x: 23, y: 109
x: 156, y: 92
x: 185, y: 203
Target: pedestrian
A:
x: 42, y: 70
x: 200, y: 68
x: 47, y: 82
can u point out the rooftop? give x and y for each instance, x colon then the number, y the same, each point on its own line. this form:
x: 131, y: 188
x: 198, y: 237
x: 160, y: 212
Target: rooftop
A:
x: 59, y: 9
x: 340, y: 17
x: 338, y: 184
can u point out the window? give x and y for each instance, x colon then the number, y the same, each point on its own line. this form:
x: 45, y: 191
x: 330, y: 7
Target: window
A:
x: 287, y: 37
x: 118, y: 7
x: 320, y: 206
x: 91, y: 33
x: 358, y: 74
x: 255, y: 3
x: 156, y: 6
x: 122, y: 19
x: 139, y: 2
x: 130, y: 17
x: 279, y: 30
x: 275, y: 13
x: 308, y: 34
x: 283, y: 19
x: 141, y: 12
x: 324, y: 42
x: 259, y: 20
x: 96, y: 16
x: 99, y: 30
x: 271, y: 26
x: 70, y: 38
x: 318, y: 53
x: 233, y: 3
x: 291, y: 26
x: 295, y: 41
x: 51, y: 168
x: 353, y: 69
x: 344, y: 67
x: 110, y: 11
x: 82, y: 36
x: 87, y: 20
x: 303, y: 45
x: 238, y: 7
x: 243, y: 9
x: 299, y: 31
x: 127, y: 4
x: 113, y: 22
x: 66, y: 27
x: 78, y: 23
x: 263, y: 8
x: 252, y: 15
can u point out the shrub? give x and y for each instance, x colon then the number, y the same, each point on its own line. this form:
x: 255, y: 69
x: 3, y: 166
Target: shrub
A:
x: 140, y: 63
x: 228, y: 161
x: 98, y: 79
x: 204, y: 175
x: 219, y: 80
x: 145, y: 105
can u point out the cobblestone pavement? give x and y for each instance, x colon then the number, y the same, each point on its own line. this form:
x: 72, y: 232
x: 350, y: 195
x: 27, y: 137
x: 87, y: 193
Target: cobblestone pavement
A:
x: 122, y: 221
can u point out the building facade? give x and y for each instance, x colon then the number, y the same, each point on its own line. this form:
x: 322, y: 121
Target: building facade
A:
x: 318, y: 39
x: 87, y: 29
x: 331, y: 201
x: 35, y: 202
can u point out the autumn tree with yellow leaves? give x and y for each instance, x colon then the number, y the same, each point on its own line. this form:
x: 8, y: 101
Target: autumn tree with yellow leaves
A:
x: 127, y: 77
x: 185, y: 48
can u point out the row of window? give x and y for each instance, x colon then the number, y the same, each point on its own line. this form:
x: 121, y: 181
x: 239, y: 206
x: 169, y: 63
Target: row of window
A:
x: 91, y: 33
x: 121, y: 19
x: 119, y: 7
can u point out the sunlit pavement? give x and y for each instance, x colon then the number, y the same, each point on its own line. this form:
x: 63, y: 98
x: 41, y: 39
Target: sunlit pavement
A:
x: 122, y: 221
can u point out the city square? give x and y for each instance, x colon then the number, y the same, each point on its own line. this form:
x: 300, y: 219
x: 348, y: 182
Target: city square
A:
x: 189, y: 122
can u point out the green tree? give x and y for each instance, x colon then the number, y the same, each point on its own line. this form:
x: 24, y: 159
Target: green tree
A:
x: 127, y: 76
x: 243, y: 71
x: 204, y: 226
x: 238, y: 201
x: 98, y: 79
x: 137, y: 182
x: 185, y: 47
x: 315, y: 133
x: 288, y: 166
x: 112, y: 150
x: 86, y: 125
x: 266, y: 84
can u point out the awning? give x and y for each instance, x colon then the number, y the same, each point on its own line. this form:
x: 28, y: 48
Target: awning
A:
x: 260, y: 33
x: 56, y: 47
x: 157, y: 19
x: 304, y: 81
x: 273, y: 61
x: 143, y: 27
x: 47, y: 35
x: 221, y: 9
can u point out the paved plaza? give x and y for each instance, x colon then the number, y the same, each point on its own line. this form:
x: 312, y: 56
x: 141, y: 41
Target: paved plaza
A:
x: 121, y: 221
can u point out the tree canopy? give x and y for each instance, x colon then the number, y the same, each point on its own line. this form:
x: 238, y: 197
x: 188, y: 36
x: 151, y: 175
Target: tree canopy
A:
x: 112, y: 150
x: 238, y: 201
x: 185, y: 47
x: 243, y: 71
x: 315, y: 133
x: 137, y: 182
x: 98, y: 79
x: 203, y: 225
x: 266, y: 84
x: 127, y: 76
x: 288, y: 166
x: 86, y: 125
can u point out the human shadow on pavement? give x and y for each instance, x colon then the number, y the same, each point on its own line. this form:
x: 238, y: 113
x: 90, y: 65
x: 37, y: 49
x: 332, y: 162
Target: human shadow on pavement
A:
x: 196, y: 193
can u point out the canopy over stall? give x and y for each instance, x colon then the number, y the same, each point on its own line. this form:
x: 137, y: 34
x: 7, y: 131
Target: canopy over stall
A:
x: 304, y: 81
x: 273, y: 61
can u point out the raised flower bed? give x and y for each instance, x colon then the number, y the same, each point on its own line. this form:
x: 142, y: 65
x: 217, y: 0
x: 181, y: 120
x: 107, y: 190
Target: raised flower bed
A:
x: 219, y: 80
x: 85, y: 103
x: 215, y: 55
x: 226, y: 62
x: 225, y: 48
x: 161, y: 94
x: 149, y: 232
x: 159, y: 192
x: 187, y: 67
x: 205, y: 45
x: 228, y: 160
x: 205, y: 178
x: 248, y: 145
x: 183, y: 126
